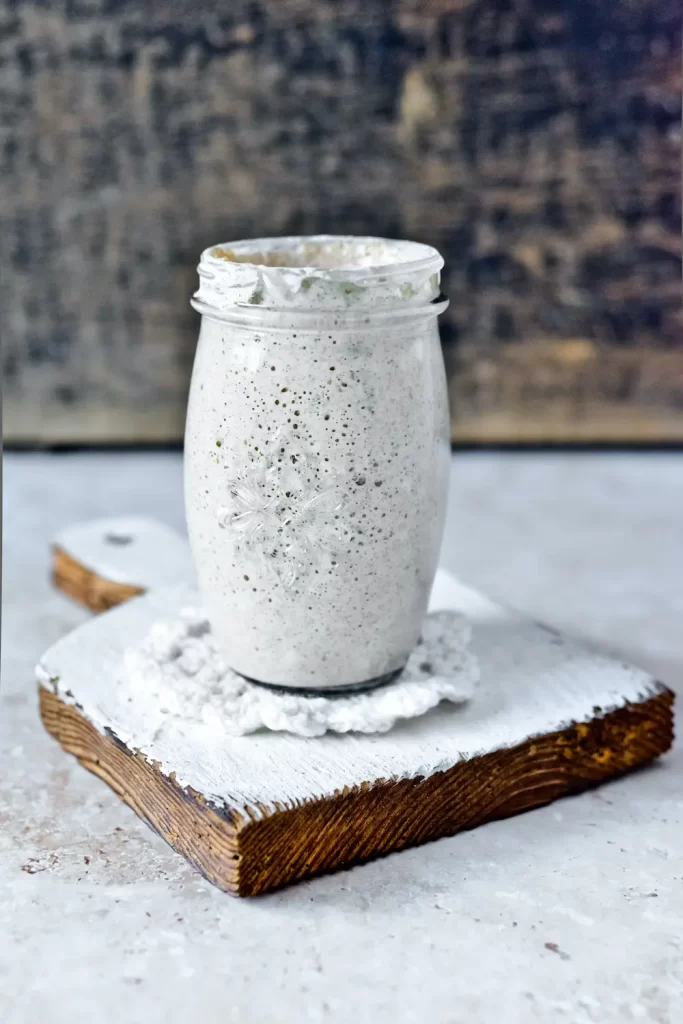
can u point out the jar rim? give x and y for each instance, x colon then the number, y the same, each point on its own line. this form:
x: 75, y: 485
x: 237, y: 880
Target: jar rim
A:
x: 286, y: 319
x: 315, y: 272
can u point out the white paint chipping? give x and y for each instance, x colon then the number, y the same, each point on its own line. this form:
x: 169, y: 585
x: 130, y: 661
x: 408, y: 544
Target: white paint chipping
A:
x: 532, y: 681
x: 129, y: 549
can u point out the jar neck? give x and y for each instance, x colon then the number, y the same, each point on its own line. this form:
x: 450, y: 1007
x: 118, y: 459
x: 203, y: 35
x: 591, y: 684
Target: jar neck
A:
x: 258, y: 318
x: 318, y: 274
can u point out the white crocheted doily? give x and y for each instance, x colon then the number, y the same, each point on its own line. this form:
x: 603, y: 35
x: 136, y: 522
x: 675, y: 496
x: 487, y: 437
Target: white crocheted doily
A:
x: 178, y: 671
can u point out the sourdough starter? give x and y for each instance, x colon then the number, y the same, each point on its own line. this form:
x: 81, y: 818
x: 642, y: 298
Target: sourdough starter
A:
x: 316, y: 455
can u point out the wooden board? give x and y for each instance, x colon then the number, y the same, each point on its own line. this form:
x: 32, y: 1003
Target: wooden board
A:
x: 537, y: 145
x: 247, y: 855
x: 103, y: 562
x: 253, y: 813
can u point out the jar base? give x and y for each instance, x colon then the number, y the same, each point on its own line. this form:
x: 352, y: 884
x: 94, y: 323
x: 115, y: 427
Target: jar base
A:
x: 345, y: 690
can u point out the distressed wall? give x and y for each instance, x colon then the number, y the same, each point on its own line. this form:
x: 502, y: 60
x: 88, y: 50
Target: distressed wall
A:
x: 537, y: 144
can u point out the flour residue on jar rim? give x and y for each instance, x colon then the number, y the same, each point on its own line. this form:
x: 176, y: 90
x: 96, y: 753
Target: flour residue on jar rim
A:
x: 314, y: 272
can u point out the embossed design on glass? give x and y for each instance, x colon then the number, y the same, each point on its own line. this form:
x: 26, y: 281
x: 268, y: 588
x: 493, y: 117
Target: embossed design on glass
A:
x: 284, y: 509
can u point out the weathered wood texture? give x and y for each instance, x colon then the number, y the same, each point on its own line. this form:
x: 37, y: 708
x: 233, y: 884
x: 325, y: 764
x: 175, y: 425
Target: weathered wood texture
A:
x: 249, y: 848
x: 536, y: 143
x: 247, y: 856
x: 88, y: 587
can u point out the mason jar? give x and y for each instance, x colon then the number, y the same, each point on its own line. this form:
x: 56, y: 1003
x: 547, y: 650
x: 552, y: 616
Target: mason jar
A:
x: 316, y: 455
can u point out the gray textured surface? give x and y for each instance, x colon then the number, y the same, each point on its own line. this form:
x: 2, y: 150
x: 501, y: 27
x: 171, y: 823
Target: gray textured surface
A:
x: 568, y: 914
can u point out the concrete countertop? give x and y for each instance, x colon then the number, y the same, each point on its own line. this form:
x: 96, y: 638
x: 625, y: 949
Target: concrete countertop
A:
x: 572, y: 913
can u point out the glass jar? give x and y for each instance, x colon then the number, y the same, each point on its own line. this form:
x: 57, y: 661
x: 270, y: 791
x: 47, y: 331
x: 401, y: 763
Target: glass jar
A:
x: 316, y: 455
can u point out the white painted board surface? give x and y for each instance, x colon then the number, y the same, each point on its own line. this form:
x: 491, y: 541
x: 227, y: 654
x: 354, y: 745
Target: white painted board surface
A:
x: 532, y: 681
x: 137, y: 550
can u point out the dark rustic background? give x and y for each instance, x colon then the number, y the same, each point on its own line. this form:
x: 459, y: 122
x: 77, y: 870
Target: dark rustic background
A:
x: 536, y: 144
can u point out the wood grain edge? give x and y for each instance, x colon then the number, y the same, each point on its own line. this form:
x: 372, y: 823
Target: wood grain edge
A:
x: 181, y: 816
x: 247, y: 856
x: 85, y: 586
